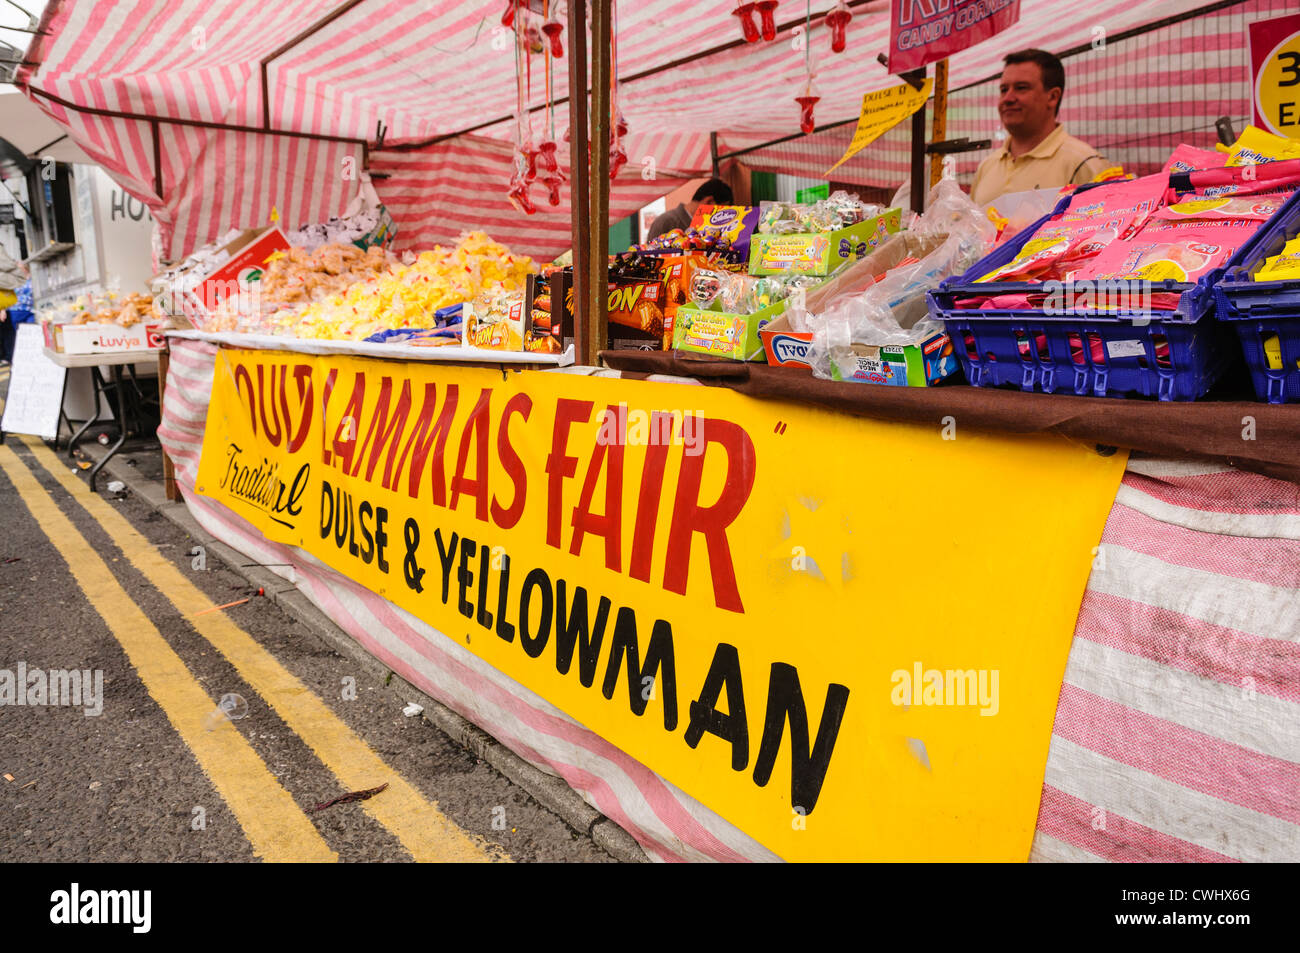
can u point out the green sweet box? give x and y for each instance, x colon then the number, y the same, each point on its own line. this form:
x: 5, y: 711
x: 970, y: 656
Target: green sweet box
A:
x: 722, y: 334
x: 819, y: 253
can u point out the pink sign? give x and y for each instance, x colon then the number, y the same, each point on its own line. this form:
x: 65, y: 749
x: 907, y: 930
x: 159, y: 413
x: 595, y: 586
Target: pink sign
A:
x: 925, y: 31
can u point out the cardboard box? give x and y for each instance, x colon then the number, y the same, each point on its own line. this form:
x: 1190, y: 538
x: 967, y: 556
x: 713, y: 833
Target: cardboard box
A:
x: 638, y: 305
x: 542, y: 330
x: 864, y: 272
x: 249, y: 254
x: 677, y: 271
x: 721, y: 334
x: 732, y: 226
x: 784, y: 346
x: 900, y: 365
x: 635, y: 309
x: 813, y: 253
x: 103, y: 338
x: 493, y: 331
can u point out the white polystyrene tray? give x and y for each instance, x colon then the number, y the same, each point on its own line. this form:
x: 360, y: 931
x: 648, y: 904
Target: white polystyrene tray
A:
x: 446, y: 354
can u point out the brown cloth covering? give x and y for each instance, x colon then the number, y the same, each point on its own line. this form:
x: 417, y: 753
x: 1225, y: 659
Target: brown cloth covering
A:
x: 1211, y: 429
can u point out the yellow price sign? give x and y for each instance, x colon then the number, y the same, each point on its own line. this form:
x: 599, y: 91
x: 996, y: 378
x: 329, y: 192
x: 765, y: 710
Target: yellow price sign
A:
x: 881, y: 111
x: 1275, y: 70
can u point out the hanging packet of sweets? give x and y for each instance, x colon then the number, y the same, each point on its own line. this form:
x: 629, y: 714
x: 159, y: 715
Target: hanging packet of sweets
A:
x: 1094, y: 218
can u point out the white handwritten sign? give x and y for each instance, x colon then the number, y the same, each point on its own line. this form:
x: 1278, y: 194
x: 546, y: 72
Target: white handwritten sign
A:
x: 35, y: 387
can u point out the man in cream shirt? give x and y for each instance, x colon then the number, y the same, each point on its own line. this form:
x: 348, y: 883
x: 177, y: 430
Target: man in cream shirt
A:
x: 1038, y: 153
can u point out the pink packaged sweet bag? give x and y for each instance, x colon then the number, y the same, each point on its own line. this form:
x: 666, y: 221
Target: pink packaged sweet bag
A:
x: 1094, y: 219
x: 1163, y: 250
x: 1267, y: 178
x: 1185, y: 158
x: 1189, y: 237
x: 1258, y: 208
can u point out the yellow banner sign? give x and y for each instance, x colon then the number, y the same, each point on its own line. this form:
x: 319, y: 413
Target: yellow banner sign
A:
x: 845, y: 636
x: 882, y: 111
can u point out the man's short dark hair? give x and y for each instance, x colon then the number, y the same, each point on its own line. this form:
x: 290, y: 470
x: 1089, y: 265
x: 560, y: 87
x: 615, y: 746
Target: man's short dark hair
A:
x: 714, y: 189
x: 1050, y: 65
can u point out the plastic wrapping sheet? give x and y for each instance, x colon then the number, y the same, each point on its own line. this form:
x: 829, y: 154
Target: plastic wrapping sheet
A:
x: 892, y: 310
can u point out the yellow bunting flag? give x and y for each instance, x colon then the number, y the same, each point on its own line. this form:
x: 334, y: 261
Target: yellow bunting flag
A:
x: 881, y: 111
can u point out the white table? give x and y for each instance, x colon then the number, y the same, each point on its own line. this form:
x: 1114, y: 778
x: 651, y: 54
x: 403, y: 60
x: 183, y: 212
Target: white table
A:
x: 115, y: 361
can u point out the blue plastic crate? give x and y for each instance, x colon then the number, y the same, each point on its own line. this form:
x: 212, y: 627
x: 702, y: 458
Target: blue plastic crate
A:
x: 1167, y: 354
x: 1266, y: 314
x: 1167, y: 360
x: 1195, y: 299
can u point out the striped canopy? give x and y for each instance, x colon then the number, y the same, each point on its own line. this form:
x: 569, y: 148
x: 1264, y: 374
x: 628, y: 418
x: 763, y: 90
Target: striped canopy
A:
x: 215, y: 112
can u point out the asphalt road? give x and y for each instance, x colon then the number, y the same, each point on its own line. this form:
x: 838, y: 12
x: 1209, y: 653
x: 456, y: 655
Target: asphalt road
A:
x: 146, y: 779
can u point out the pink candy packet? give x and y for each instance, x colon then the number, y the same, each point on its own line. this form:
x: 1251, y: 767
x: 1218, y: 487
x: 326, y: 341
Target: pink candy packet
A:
x: 1264, y: 179
x: 1082, y: 297
x: 1186, y: 158
x: 1258, y: 208
x: 1165, y: 250
x: 1093, y: 220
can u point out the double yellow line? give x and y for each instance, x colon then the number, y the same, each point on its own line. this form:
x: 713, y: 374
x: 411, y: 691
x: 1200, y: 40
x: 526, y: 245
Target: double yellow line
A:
x: 275, y: 826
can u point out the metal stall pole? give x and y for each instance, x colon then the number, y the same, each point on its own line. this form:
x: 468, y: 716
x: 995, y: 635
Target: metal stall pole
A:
x: 598, y: 249
x: 579, y: 185
x: 917, y: 79
x: 939, y: 127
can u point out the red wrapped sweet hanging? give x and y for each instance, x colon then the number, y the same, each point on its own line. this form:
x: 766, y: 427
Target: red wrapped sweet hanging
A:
x: 767, y: 10
x: 546, y: 160
x: 806, y: 104
x: 518, y: 196
x: 838, y: 20
x: 617, y: 158
x: 554, y: 29
x: 552, y: 182
x: 748, y: 28
x: 530, y: 158
x: 534, y: 41
x: 508, y: 18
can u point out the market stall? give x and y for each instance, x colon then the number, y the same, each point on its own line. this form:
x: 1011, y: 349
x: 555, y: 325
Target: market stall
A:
x: 795, y: 616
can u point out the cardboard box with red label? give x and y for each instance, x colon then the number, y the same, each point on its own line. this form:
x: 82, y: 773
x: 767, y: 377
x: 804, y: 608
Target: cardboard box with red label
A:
x: 784, y: 346
x: 249, y: 254
x: 102, y: 338
x: 905, y: 365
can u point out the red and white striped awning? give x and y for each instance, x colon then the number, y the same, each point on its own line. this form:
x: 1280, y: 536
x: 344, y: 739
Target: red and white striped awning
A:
x: 215, y: 112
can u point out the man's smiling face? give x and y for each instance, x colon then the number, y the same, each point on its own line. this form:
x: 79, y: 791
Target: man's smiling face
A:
x: 1025, y: 107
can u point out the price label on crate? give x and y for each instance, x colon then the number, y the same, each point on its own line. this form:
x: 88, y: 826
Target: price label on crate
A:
x: 1275, y: 74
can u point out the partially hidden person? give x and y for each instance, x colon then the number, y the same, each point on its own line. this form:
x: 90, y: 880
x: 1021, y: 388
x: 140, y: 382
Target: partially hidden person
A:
x: 13, y: 277
x: 712, y: 192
